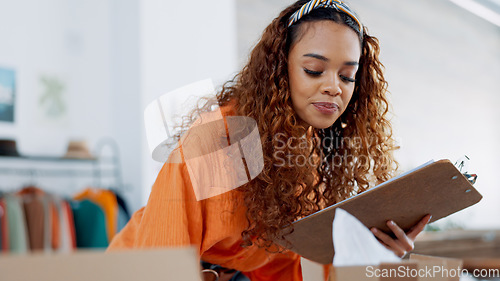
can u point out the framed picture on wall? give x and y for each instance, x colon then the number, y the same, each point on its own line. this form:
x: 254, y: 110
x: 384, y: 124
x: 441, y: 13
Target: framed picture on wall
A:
x: 7, y: 94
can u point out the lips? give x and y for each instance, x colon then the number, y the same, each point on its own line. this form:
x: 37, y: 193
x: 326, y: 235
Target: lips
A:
x: 326, y: 107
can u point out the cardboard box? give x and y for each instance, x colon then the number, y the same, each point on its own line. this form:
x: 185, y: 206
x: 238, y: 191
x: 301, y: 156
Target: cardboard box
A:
x: 417, y: 268
x: 168, y: 264
x: 312, y: 271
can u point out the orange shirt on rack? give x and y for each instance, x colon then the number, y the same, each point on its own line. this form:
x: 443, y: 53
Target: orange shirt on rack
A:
x: 56, y: 227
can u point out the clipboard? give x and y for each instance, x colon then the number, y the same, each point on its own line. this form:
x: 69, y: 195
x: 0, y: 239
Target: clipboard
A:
x: 437, y: 188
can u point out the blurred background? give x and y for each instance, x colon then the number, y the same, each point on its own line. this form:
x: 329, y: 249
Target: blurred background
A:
x: 82, y: 72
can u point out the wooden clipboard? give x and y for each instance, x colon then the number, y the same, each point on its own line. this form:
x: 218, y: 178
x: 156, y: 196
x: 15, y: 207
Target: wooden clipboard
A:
x: 436, y: 188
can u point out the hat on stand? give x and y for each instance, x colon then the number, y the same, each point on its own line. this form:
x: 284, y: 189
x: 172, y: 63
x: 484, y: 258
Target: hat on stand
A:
x: 8, y: 148
x: 78, y: 150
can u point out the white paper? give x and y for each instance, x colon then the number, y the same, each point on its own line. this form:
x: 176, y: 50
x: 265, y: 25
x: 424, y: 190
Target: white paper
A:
x: 355, y: 244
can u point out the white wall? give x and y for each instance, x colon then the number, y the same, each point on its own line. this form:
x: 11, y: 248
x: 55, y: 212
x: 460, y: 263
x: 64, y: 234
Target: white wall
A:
x: 115, y: 57
x: 125, y: 93
x: 183, y: 42
x: 69, y: 40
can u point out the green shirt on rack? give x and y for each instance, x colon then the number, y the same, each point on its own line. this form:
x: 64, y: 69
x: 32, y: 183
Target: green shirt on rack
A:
x: 90, y: 225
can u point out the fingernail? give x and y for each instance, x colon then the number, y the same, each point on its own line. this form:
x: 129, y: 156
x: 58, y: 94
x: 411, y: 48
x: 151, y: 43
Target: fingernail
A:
x: 374, y: 230
x: 430, y: 218
x: 391, y: 223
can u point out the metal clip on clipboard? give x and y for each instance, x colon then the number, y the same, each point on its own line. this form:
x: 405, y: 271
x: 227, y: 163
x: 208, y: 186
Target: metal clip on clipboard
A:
x: 462, y: 164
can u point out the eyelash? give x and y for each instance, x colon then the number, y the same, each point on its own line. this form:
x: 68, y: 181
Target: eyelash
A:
x: 347, y: 79
x: 318, y: 73
x: 312, y: 73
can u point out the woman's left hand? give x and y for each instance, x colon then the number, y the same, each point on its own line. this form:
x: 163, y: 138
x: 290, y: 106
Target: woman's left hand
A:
x: 404, y: 240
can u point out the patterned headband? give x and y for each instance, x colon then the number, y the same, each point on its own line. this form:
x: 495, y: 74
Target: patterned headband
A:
x: 314, y: 4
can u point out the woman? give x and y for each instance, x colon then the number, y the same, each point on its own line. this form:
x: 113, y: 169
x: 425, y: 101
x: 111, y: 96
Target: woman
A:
x: 314, y: 79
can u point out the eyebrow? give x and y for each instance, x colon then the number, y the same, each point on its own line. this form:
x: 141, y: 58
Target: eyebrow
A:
x: 355, y: 63
x: 323, y: 58
x: 316, y: 56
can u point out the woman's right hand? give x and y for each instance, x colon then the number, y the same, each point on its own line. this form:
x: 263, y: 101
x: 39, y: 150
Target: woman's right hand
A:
x: 404, y: 241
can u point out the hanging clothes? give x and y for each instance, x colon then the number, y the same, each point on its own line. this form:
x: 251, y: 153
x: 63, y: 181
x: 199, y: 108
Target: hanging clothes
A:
x: 123, y: 212
x: 18, y: 235
x: 90, y: 224
x: 122, y: 219
x: 5, y: 227
x: 107, y: 201
x: 64, y: 239
x: 34, y: 212
x: 1, y: 228
x: 47, y: 234
x: 121, y: 202
x: 4, y: 238
x: 36, y: 220
x: 39, y: 221
x: 71, y: 222
x: 55, y: 242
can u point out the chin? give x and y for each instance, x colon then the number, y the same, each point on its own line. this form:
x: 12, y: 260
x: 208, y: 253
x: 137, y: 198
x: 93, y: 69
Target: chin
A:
x: 322, y: 125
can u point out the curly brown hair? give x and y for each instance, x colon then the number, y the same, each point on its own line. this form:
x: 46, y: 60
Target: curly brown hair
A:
x: 349, y: 157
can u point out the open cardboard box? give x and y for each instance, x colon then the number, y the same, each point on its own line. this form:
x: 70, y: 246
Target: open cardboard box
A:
x: 165, y: 264
x: 417, y: 268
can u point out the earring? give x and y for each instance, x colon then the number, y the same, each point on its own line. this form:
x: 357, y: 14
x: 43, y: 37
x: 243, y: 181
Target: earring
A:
x: 343, y: 123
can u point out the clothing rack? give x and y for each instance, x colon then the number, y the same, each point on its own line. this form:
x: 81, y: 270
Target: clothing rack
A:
x: 96, y: 168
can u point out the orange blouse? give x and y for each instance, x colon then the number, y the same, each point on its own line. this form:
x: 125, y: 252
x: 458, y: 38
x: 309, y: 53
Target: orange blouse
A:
x: 173, y: 217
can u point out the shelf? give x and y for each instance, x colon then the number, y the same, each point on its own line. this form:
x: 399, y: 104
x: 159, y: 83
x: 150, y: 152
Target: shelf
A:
x: 58, y: 172
x: 47, y: 158
x: 98, y: 168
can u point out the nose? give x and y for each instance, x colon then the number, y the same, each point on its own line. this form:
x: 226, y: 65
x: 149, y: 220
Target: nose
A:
x: 331, y: 86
